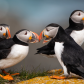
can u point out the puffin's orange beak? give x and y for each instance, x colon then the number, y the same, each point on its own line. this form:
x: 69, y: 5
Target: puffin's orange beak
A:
x: 8, y: 32
x: 83, y: 18
x: 42, y: 34
x: 36, y: 35
x: 47, y: 39
x: 34, y: 38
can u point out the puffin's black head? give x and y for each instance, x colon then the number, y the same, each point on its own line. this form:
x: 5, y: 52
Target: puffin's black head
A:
x: 5, y: 31
x: 5, y: 25
x: 24, y: 36
x: 49, y: 32
x: 77, y: 16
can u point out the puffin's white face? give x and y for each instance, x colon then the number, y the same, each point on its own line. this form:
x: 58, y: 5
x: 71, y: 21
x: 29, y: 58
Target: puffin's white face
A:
x: 77, y: 17
x: 27, y: 36
x: 2, y: 32
x: 49, y: 32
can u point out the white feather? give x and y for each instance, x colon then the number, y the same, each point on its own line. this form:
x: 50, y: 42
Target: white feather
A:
x: 58, y: 52
x: 78, y: 36
x: 17, y: 54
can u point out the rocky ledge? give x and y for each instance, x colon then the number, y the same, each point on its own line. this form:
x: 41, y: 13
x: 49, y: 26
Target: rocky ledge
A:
x: 48, y: 80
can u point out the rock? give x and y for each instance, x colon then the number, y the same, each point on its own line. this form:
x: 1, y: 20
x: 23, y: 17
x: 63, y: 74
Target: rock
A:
x: 48, y: 80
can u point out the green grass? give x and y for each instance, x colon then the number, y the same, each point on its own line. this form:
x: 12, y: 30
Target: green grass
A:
x: 24, y: 75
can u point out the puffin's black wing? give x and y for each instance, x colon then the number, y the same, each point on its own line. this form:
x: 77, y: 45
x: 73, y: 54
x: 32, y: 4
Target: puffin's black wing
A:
x: 4, y: 53
x: 47, y: 49
x: 73, y: 58
x: 7, y: 43
x: 5, y: 48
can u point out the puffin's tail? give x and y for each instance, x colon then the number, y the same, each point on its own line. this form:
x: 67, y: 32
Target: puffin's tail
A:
x: 78, y: 70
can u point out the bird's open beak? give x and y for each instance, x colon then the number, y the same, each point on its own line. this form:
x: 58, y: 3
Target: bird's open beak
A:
x: 42, y: 35
x: 34, y: 38
x: 8, y: 33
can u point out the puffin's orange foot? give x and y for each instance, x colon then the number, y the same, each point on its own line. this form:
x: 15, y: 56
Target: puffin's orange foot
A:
x: 9, y: 73
x: 7, y: 77
x: 16, y: 74
x: 57, y: 77
x: 4, y: 72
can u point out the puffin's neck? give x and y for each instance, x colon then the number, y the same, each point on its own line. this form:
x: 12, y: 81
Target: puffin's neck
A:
x: 62, y: 36
x: 75, y: 26
x: 17, y: 41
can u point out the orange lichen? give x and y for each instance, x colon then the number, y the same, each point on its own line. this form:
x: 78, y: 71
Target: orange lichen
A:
x: 48, y: 80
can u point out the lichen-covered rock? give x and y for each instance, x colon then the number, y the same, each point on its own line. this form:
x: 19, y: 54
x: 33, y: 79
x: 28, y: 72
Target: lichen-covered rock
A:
x: 48, y: 80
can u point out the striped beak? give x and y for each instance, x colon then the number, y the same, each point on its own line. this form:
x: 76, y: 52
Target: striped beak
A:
x: 34, y: 38
x: 8, y: 33
x: 42, y: 35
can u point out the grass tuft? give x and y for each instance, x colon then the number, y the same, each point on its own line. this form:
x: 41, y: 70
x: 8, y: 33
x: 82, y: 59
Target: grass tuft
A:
x: 25, y: 75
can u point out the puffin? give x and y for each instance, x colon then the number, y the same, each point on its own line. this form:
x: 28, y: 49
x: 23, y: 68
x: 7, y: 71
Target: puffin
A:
x: 14, y: 50
x: 75, y: 30
x: 4, y: 34
x: 69, y: 54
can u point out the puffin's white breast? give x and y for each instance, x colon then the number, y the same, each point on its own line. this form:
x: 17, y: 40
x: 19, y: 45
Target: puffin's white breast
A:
x: 17, y: 54
x: 78, y: 36
x: 58, y: 52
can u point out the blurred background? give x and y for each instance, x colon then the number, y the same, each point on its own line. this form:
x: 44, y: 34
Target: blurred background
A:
x: 35, y: 15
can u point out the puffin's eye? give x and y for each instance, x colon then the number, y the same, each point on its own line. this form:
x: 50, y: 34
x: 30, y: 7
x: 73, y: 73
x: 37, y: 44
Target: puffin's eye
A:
x: 26, y: 33
x: 47, y: 29
x: 1, y: 28
x: 79, y: 14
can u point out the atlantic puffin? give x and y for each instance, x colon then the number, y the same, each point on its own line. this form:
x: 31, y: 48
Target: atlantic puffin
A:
x: 14, y: 50
x: 69, y: 54
x: 75, y: 30
x: 4, y: 34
